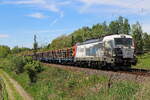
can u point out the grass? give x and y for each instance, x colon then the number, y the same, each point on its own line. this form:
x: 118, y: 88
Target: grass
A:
x: 59, y: 84
x: 3, y: 91
x: 9, y: 85
x: 143, y: 61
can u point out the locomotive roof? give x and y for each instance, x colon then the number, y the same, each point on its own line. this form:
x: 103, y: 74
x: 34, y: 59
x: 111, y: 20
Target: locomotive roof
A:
x: 91, y: 41
x: 107, y: 37
x: 110, y: 37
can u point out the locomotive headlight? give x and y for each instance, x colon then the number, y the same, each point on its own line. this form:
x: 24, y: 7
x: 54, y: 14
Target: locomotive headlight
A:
x: 114, y: 55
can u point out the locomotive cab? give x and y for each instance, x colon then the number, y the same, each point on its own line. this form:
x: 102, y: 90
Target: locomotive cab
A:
x: 119, y: 49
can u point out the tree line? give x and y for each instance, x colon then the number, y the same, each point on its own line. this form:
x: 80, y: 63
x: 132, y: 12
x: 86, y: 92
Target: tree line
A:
x: 5, y: 50
x: 118, y: 26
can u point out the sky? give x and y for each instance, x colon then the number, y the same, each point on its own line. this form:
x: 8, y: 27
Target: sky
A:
x: 20, y: 20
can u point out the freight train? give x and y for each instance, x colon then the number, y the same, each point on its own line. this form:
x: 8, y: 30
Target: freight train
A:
x: 111, y: 50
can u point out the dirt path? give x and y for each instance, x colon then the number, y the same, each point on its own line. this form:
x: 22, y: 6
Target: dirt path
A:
x: 8, y: 88
x: 19, y: 89
x: 9, y: 91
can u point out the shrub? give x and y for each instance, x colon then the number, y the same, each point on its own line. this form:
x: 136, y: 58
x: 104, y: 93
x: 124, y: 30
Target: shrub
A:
x: 19, y: 63
x: 28, y: 59
x: 7, y: 64
x: 33, y: 68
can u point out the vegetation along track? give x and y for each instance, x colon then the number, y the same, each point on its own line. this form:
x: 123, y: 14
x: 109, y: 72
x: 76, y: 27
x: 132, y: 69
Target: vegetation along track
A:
x: 133, y: 71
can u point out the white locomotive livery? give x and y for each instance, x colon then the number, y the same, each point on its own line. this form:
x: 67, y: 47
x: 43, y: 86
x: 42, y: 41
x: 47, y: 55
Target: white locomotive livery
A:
x: 112, y: 50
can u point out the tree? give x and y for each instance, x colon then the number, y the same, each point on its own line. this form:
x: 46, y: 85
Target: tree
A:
x: 114, y: 27
x: 137, y: 35
x: 120, y: 25
x: 33, y: 68
x: 146, y: 41
x: 16, y: 49
x: 105, y: 28
x: 4, y: 51
x: 99, y: 30
x: 61, y: 42
x: 82, y: 34
x: 126, y: 27
x: 19, y: 63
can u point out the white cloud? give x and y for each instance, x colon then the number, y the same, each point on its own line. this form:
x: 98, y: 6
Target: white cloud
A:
x: 37, y: 15
x: 130, y: 6
x: 50, y: 5
x: 4, y: 36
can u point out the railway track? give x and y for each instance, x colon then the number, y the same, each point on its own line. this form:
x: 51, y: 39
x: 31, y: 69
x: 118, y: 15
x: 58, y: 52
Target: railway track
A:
x: 140, y: 72
x: 131, y: 71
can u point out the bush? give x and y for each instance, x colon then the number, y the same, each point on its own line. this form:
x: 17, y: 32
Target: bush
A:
x: 28, y: 59
x: 33, y: 68
x: 15, y: 63
x: 7, y: 64
x: 4, y: 51
x: 19, y: 64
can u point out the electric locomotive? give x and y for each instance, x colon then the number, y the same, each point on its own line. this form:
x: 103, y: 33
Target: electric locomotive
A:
x: 109, y: 50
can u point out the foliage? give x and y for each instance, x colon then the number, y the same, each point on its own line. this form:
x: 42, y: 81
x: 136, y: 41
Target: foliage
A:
x: 16, y: 49
x: 14, y: 93
x: 123, y: 90
x: 19, y: 63
x: 62, y: 41
x: 59, y: 84
x: 114, y: 27
x: 3, y: 91
x: 146, y: 40
x: 4, y: 51
x: 33, y: 68
x: 137, y: 35
x: 7, y: 64
x: 28, y: 59
x: 13, y: 63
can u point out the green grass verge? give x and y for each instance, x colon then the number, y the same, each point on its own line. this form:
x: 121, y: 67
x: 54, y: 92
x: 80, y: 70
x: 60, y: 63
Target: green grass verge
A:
x: 9, y: 85
x: 3, y: 91
x: 59, y: 84
x: 143, y: 61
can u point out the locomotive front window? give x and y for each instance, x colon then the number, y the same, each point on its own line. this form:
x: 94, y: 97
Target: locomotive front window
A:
x: 123, y: 41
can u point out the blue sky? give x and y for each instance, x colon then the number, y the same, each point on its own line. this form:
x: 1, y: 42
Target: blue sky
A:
x: 48, y: 19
